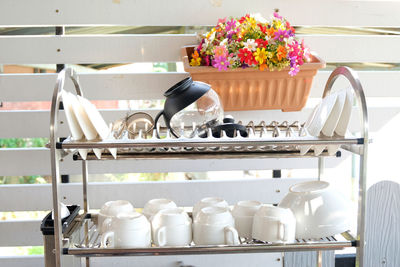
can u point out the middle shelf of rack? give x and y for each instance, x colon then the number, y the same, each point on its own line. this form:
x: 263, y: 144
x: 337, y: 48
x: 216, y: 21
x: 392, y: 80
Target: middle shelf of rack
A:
x: 210, y: 147
x: 83, y: 240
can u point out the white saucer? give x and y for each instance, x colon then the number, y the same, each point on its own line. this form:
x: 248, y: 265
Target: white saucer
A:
x: 73, y: 124
x: 98, y: 123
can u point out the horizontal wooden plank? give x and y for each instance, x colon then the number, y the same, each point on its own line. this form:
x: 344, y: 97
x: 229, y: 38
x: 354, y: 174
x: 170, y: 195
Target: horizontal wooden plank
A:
x: 191, y: 12
x: 22, y: 261
x: 234, y: 260
x: 20, y: 233
x: 117, y: 86
x: 184, y: 193
x: 36, y: 161
x: 20, y: 124
x: 215, y: 260
x: 80, y: 49
x: 92, y: 49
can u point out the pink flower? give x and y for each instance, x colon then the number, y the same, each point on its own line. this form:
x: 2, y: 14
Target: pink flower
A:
x: 222, y: 20
x: 280, y: 35
x: 276, y: 15
x: 220, y: 51
x: 221, y: 63
x: 294, y: 70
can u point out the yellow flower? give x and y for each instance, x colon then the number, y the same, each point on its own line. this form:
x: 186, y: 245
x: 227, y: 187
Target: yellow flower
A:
x: 252, y: 22
x: 196, y: 59
x: 210, y: 32
x: 260, y: 55
x: 195, y: 62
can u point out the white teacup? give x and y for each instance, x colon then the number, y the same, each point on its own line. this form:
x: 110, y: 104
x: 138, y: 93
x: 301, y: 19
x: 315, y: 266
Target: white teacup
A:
x: 171, y: 227
x: 111, y: 209
x: 215, y: 226
x: 127, y: 230
x: 243, y: 212
x: 155, y: 205
x: 274, y: 224
x: 209, y: 202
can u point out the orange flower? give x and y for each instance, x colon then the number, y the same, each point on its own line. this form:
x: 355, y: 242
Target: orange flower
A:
x: 196, y: 59
x: 263, y: 66
x: 271, y: 32
x: 281, y: 52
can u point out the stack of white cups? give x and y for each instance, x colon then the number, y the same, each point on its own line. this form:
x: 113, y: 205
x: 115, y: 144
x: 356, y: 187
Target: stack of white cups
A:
x: 164, y: 224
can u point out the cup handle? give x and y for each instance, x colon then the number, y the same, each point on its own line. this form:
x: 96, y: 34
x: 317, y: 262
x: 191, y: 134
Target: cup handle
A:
x: 160, y: 236
x: 105, y: 237
x: 231, y: 236
x: 106, y: 225
x: 283, y: 231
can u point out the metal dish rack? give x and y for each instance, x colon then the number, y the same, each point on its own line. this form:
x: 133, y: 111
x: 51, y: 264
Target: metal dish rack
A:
x: 263, y: 140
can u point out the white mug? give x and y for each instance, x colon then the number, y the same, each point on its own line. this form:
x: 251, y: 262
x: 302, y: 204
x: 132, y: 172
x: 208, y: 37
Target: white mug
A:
x: 127, y: 230
x: 171, y: 227
x: 111, y: 209
x: 274, y: 224
x: 155, y: 205
x: 215, y: 226
x: 209, y: 202
x: 243, y: 212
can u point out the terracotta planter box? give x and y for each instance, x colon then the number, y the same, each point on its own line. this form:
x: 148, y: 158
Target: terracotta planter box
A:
x: 252, y: 89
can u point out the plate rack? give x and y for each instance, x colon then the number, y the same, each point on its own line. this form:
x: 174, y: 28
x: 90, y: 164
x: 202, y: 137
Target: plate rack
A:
x: 77, y: 241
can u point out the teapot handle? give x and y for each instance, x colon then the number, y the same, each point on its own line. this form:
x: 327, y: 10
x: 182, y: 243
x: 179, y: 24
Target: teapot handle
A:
x: 161, y: 113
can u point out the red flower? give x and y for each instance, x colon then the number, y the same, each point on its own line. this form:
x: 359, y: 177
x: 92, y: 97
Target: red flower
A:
x: 262, y: 28
x: 246, y: 56
x: 244, y: 18
x: 261, y: 43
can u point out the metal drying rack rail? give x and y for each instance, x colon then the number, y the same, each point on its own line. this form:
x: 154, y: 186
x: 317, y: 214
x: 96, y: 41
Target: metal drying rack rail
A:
x: 255, y: 145
x: 84, y: 241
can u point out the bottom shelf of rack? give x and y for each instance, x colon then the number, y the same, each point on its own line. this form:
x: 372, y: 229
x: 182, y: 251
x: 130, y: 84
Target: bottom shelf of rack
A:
x: 84, y: 241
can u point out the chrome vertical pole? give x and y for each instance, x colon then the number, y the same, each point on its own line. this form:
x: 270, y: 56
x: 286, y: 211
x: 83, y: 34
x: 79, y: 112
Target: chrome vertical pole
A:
x: 352, y: 77
x: 85, y: 175
x: 56, y: 156
x: 55, y: 167
x: 321, y: 166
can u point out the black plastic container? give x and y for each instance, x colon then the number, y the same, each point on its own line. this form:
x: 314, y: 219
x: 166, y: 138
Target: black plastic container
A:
x: 47, y: 226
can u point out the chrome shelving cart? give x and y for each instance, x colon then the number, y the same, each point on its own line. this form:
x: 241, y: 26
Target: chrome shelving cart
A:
x: 82, y: 238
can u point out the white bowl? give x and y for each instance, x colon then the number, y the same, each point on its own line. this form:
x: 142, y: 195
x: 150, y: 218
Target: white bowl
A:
x: 320, y: 211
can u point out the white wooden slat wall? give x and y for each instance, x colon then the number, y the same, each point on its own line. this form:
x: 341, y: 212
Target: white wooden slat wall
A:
x: 193, y: 12
x: 146, y: 48
x: 117, y: 86
x: 78, y: 49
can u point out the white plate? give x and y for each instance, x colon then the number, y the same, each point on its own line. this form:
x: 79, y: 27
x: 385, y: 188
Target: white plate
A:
x: 304, y: 149
x: 331, y: 123
x: 322, y: 114
x: 341, y: 127
x: 85, y: 123
x: 334, y: 116
x: 73, y: 124
x: 97, y: 121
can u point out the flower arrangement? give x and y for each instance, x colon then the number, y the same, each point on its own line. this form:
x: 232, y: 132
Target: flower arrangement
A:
x: 251, y: 42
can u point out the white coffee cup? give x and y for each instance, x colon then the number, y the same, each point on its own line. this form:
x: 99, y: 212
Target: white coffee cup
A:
x: 209, y: 202
x: 171, y: 227
x: 127, y: 230
x: 274, y: 224
x: 215, y: 226
x: 111, y: 209
x: 243, y: 212
x: 155, y: 205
